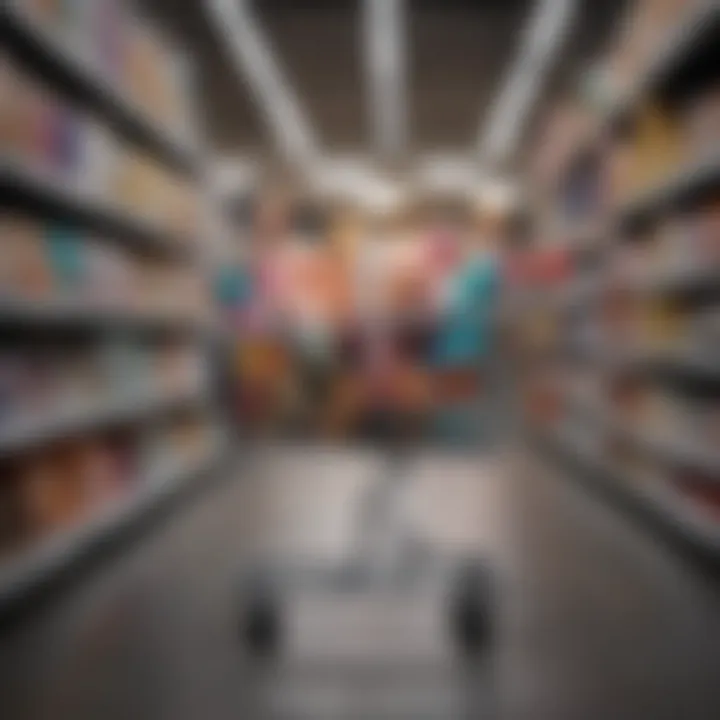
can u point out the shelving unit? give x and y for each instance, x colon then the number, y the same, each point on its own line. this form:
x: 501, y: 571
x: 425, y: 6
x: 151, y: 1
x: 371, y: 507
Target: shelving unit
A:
x: 686, y: 65
x: 33, y: 431
x: 695, y: 31
x: 676, y: 450
x: 681, y: 188
x: 38, y: 50
x: 163, y: 461
x: 689, y: 454
x: 41, y: 563
x: 661, y: 504
x: 74, y: 316
x: 679, y: 281
x: 24, y: 189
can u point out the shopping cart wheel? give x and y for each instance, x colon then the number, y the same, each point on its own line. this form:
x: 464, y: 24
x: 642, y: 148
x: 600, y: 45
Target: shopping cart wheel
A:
x: 471, y: 609
x: 261, y: 626
x: 261, y: 620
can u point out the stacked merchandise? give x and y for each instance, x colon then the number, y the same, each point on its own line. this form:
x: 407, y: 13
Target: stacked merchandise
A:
x: 44, y: 136
x: 339, y: 326
x: 65, y: 267
x: 45, y: 386
x: 109, y: 42
x: 97, y: 419
x: 636, y: 323
x: 57, y: 492
x: 533, y: 303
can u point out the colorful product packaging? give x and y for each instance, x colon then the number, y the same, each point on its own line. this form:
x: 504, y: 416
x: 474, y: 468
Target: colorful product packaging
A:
x: 65, y: 253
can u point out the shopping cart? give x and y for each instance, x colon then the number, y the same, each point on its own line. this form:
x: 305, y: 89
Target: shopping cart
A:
x: 387, y: 571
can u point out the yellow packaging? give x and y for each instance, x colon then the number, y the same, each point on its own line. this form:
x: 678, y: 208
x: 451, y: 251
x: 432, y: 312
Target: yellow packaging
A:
x: 658, y: 148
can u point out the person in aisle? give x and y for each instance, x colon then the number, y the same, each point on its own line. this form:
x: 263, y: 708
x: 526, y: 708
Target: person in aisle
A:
x: 261, y: 357
x: 318, y: 305
x: 464, y: 338
x: 383, y: 392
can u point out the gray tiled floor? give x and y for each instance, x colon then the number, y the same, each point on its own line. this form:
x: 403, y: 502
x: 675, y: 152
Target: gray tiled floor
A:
x: 595, y: 619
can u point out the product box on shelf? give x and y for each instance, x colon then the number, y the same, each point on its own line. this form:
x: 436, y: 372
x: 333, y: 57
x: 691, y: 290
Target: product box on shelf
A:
x: 663, y: 412
x: 110, y: 277
x: 128, y: 369
x: 180, y: 368
x: 701, y: 490
x: 33, y: 386
x: 144, y: 187
x: 618, y: 173
x: 49, y: 492
x: 65, y: 248
x: 107, y: 27
x: 104, y: 471
x: 115, y: 45
x: 25, y: 272
x: 660, y: 325
x: 153, y: 78
x: 701, y: 124
x: 103, y: 154
x: 190, y: 436
x: 43, y: 135
x: 176, y: 443
x: 80, y: 379
x: 24, y: 132
x: 658, y: 147
x: 64, y: 485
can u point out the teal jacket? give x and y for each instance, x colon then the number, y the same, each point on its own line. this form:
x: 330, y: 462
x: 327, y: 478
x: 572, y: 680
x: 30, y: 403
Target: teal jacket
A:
x: 465, y: 333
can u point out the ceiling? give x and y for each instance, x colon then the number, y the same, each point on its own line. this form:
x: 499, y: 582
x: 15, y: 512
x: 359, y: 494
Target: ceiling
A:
x: 458, y: 55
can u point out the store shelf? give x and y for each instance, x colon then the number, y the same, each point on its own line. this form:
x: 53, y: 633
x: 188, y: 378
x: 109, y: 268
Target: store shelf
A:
x: 49, y: 558
x: 685, y: 363
x: 675, y: 511
x: 30, y: 432
x: 73, y: 316
x: 699, y: 28
x: 680, y: 280
x: 660, y: 501
x: 683, y: 65
x: 22, y: 188
x: 696, y: 31
x: 677, y: 450
x: 691, y: 182
x: 697, y: 282
x: 680, y: 451
x: 93, y: 95
x: 38, y: 50
x: 692, y: 369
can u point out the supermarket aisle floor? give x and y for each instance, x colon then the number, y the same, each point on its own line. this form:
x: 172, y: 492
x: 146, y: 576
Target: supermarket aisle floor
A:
x: 596, y: 621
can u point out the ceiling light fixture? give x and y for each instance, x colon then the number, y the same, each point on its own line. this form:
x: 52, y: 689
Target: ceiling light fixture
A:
x: 257, y: 64
x: 543, y: 36
x: 386, y: 81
